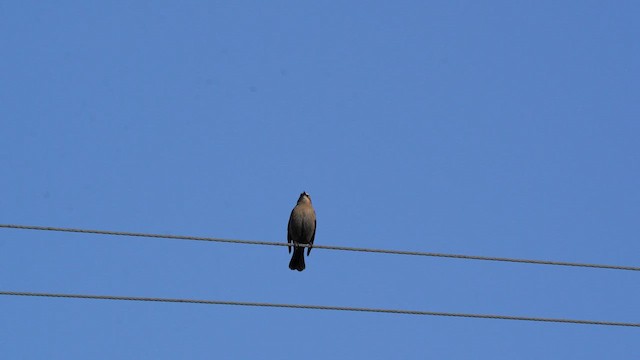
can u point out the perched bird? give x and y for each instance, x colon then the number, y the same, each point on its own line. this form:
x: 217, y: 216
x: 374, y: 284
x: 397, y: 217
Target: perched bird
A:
x: 301, y: 230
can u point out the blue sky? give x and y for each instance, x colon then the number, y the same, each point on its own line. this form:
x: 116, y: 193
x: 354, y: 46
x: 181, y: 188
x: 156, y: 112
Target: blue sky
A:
x: 488, y: 128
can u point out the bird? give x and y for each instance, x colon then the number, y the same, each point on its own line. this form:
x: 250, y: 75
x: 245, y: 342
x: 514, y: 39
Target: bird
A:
x: 301, y: 230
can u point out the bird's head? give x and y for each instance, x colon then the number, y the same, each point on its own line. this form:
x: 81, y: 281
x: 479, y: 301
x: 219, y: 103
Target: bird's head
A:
x: 304, y: 198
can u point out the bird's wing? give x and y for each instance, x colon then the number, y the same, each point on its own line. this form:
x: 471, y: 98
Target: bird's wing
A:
x: 289, y: 240
x: 313, y: 237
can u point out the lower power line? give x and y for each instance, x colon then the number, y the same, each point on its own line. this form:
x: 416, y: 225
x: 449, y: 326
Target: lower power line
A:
x: 319, y: 307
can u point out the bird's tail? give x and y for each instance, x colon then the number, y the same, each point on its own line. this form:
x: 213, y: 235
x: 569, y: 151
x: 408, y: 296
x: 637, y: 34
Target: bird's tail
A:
x: 297, y: 260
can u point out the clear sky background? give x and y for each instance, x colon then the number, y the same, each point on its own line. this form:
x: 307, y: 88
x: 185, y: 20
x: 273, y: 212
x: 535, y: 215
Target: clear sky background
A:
x: 488, y: 128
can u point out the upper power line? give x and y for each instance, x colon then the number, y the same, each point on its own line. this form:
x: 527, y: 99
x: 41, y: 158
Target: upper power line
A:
x: 327, y: 247
x: 322, y: 307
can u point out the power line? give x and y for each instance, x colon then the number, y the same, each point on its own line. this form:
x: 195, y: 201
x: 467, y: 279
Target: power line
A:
x: 327, y: 247
x: 320, y: 307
